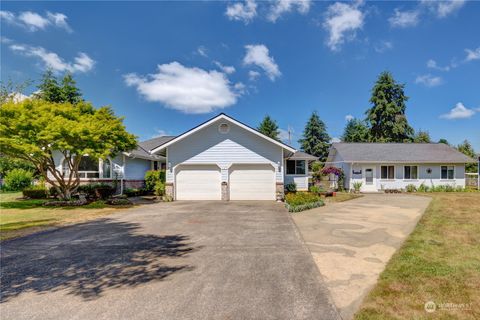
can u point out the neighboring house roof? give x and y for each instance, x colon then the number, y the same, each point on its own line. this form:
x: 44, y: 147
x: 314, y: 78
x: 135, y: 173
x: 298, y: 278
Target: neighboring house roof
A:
x: 300, y: 155
x: 397, y: 152
x: 155, y: 142
x: 221, y: 116
x: 144, y: 147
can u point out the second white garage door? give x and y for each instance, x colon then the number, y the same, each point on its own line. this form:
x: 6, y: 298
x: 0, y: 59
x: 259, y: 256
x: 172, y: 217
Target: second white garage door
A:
x: 252, y: 182
x: 198, y: 182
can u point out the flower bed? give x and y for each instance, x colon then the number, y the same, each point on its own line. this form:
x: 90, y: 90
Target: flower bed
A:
x: 300, y: 201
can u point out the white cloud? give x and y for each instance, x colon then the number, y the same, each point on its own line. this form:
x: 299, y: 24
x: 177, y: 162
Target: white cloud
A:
x: 443, y: 9
x: 201, y: 50
x: 428, y: 80
x: 472, y: 54
x: 189, y: 90
x: 258, y: 55
x: 383, y: 46
x: 404, y: 19
x: 335, y: 140
x: 253, y: 75
x: 342, y: 21
x: 458, y: 112
x: 349, y: 117
x: 33, y: 21
x: 226, y: 69
x: 278, y: 8
x: 82, y: 62
x: 242, y: 11
x: 432, y: 64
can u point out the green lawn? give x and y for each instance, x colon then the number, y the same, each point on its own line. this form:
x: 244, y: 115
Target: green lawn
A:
x: 21, y: 217
x: 439, y: 262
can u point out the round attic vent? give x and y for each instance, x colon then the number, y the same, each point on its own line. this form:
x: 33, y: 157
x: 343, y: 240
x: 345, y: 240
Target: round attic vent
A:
x: 223, y: 128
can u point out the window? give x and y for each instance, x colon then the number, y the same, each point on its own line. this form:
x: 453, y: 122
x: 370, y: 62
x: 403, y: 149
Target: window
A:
x: 88, y: 168
x: 295, y: 166
x: 223, y: 128
x: 387, y: 172
x: 155, y: 165
x: 107, y: 169
x: 410, y: 172
x: 447, y: 172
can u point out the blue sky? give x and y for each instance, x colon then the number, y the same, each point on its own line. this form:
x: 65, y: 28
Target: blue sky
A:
x: 167, y: 66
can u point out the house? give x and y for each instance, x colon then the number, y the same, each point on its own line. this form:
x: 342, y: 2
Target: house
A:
x: 381, y: 166
x: 220, y: 159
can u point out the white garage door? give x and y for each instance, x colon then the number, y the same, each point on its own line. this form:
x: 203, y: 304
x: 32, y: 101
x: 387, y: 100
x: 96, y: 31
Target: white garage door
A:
x: 252, y: 182
x: 198, y: 182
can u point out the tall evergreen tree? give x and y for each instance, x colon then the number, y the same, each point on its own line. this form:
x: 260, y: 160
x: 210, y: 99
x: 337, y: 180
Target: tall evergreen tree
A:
x: 386, y: 117
x: 69, y: 90
x: 355, y: 131
x: 269, y: 127
x: 315, y: 140
x: 422, y: 137
x: 466, y: 148
x: 49, y: 89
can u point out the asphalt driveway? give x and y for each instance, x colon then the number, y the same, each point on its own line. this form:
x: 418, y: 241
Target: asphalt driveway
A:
x: 181, y: 260
x: 352, y: 241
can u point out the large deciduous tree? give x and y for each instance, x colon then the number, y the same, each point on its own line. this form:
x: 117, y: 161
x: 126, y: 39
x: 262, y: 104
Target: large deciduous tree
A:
x: 386, y: 117
x: 355, y: 131
x: 34, y: 130
x: 315, y: 139
x: 466, y: 148
x: 269, y: 127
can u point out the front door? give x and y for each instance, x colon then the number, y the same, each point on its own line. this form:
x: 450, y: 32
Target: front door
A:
x: 369, y: 179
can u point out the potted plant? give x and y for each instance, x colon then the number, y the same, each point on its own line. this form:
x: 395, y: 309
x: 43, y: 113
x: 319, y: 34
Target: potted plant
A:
x: 357, y: 185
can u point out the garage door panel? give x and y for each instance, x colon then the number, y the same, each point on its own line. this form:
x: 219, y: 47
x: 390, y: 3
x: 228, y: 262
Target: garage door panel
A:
x: 252, y: 182
x: 198, y: 182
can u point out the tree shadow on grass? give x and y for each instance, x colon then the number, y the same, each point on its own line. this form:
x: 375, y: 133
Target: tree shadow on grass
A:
x: 87, y: 259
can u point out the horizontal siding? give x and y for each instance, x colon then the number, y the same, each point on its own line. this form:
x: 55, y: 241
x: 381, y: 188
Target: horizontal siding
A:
x: 300, y: 180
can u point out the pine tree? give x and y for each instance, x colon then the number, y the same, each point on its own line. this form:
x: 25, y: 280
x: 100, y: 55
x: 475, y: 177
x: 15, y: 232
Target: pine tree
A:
x: 69, y: 91
x: 49, y: 89
x: 316, y: 140
x: 269, y: 127
x: 466, y: 148
x: 355, y: 131
x: 422, y: 137
x: 386, y: 117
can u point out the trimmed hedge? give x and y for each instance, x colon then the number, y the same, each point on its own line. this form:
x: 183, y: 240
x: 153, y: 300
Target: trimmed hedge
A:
x: 134, y: 192
x: 300, y: 201
x: 97, y: 190
x: 35, y: 193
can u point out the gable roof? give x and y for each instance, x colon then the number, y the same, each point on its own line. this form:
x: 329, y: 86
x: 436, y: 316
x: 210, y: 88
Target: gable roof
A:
x: 221, y: 116
x: 300, y: 155
x: 397, y: 152
x: 155, y: 142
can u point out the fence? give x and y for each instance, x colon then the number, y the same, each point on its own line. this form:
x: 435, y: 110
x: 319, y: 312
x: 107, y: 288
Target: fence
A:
x: 471, y: 180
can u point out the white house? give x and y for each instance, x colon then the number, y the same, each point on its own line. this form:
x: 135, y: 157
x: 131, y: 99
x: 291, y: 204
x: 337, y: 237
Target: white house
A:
x: 381, y: 166
x: 220, y: 159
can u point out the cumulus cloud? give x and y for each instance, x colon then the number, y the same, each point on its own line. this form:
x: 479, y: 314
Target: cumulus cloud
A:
x: 280, y: 7
x: 443, y: 9
x: 472, y: 54
x: 226, y: 69
x: 258, y: 55
x: 383, y: 46
x: 33, y: 21
x: 81, y: 63
x: 201, y: 50
x: 242, y: 11
x: 189, y: 90
x: 342, y: 20
x: 428, y: 80
x: 432, y: 64
x: 404, y: 19
x: 349, y: 117
x: 253, y: 75
x: 458, y: 112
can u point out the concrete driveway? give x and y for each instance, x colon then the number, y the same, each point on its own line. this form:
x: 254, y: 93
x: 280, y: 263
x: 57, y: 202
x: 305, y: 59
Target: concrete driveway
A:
x: 181, y: 260
x: 352, y: 241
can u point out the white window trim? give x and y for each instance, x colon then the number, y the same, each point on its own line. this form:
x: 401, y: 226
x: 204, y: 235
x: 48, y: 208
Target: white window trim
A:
x: 296, y: 174
x: 394, y: 172
x: 412, y: 165
x: 454, y: 172
x: 100, y: 171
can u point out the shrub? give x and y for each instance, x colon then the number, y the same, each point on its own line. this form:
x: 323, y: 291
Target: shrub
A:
x: 18, y: 179
x: 315, y: 189
x: 357, y: 185
x: 35, y: 193
x: 291, y: 187
x: 296, y: 202
x: 411, y: 188
x: 104, y: 192
x: 134, y: 192
x: 152, y: 177
x: 96, y: 190
x: 159, y: 188
x: 423, y: 188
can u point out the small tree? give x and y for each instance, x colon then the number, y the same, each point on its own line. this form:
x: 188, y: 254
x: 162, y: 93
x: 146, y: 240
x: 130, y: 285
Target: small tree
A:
x: 269, y: 127
x: 34, y: 130
x: 444, y: 141
x: 422, y: 137
x: 386, y: 117
x: 466, y: 148
x: 355, y: 131
x: 315, y: 140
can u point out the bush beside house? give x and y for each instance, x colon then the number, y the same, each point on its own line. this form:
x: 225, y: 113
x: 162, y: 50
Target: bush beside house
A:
x: 300, y: 201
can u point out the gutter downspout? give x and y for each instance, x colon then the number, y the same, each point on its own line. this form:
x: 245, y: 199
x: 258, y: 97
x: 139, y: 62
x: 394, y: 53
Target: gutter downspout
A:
x: 123, y: 173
